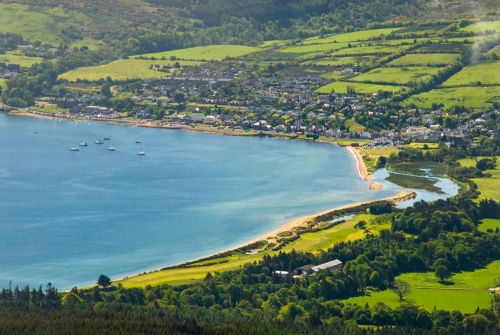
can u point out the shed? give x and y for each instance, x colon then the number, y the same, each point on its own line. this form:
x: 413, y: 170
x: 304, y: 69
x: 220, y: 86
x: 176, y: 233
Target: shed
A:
x: 335, y: 265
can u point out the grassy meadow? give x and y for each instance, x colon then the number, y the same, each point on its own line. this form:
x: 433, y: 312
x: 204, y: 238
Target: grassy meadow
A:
x: 487, y: 224
x: 341, y: 87
x: 373, y: 49
x: 441, y: 59
x: 471, y: 97
x: 340, y: 61
x: 356, y: 36
x: 398, y: 75
x: 3, y: 82
x: 122, y: 69
x: 314, y: 48
x: 479, y: 74
x: 465, y: 301
x: 37, y: 23
x: 464, y: 291
x: 205, y: 53
x: 489, y: 187
x: 482, y: 26
x: 16, y: 58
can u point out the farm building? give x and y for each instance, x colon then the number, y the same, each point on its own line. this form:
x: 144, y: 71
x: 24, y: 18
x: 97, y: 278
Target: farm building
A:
x: 335, y: 265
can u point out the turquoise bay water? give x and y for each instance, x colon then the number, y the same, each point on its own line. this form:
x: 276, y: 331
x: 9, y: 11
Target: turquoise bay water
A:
x: 66, y: 217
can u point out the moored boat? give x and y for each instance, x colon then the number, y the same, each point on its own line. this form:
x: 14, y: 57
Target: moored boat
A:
x: 111, y: 149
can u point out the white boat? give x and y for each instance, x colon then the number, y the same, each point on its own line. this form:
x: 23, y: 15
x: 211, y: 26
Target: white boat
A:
x: 112, y: 149
x: 75, y: 149
x: 99, y: 142
x: 84, y: 144
x: 141, y: 153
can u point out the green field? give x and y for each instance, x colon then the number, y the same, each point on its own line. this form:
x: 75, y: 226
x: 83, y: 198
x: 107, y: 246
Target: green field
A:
x: 314, y: 48
x: 425, y: 60
x: 466, y: 301
x: 341, y: 87
x: 479, y: 279
x: 3, y: 82
x: 341, y: 61
x: 413, y: 182
x: 454, y: 47
x: 480, y: 74
x: 397, y: 75
x: 489, y: 224
x: 37, y: 23
x: 471, y: 97
x: 350, y: 37
x: 210, y: 52
x: 482, y: 26
x: 495, y: 50
x: 489, y: 187
x: 464, y: 291
x: 374, y: 49
x: 122, y: 69
x: 420, y: 145
x: 15, y: 58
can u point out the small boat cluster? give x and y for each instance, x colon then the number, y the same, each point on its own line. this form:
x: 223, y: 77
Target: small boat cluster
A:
x: 110, y: 148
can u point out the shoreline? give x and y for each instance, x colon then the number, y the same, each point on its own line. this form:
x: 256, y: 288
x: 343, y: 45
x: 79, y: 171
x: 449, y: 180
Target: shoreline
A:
x: 303, y: 220
x: 290, y: 225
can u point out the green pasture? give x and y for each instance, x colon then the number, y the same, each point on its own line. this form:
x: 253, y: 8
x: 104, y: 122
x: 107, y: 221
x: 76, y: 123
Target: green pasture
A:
x: 452, y: 47
x: 48, y: 109
x: 488, y: 186
x: 483, y: 26
x: 425, y: 60
x: 495, y: 50
x: 347, y: 142
x: 376, y: 152
x: 273, y: 43
x: 122, y: 69
x: 341, y: 61
x: 38, y: 23
x: 420, y: 145
x: 3, y: 82
x: 487, y: 224
x: 209, y: 52
x: 470, y: 97
x: 362, y: 35
x: 314, y: 48
x: 324, y: 239
x: 466, y: 301
x: 354, y: 126
x: 397, y: 75
x: 373, y: 49
x: 479, y: 74
x: 341, y: 87
x: 17, y: 58
x: 483, y: 278
x: 420, y: 29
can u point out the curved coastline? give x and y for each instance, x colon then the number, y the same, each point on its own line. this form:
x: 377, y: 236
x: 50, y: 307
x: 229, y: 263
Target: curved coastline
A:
x: 291, y: 225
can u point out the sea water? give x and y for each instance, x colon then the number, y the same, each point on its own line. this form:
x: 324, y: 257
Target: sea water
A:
x: 68, y: 216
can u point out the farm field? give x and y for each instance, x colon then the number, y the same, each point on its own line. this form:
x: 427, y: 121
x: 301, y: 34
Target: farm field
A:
x: 314, y: 48
x: 39, y: 24
x: 340, y: 61
x: 341, y: 87
x: 470, y: 97
x: 485, y: 73
x: 121, y: 69
x: 210, y: 52
x: 427, y: 60
x: 495, y: 50
x: 396, y: 75
x: 452, y: 47
x: 373, y: 49
x: 479, y: 279
x: 14, y: 58
x: 351, y: 37
x: 488, y: 186
x: 482, y: 26
x: 322, y: 240
x: 489, y: 224
x: 466, y: 301
x: 3, y: 82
